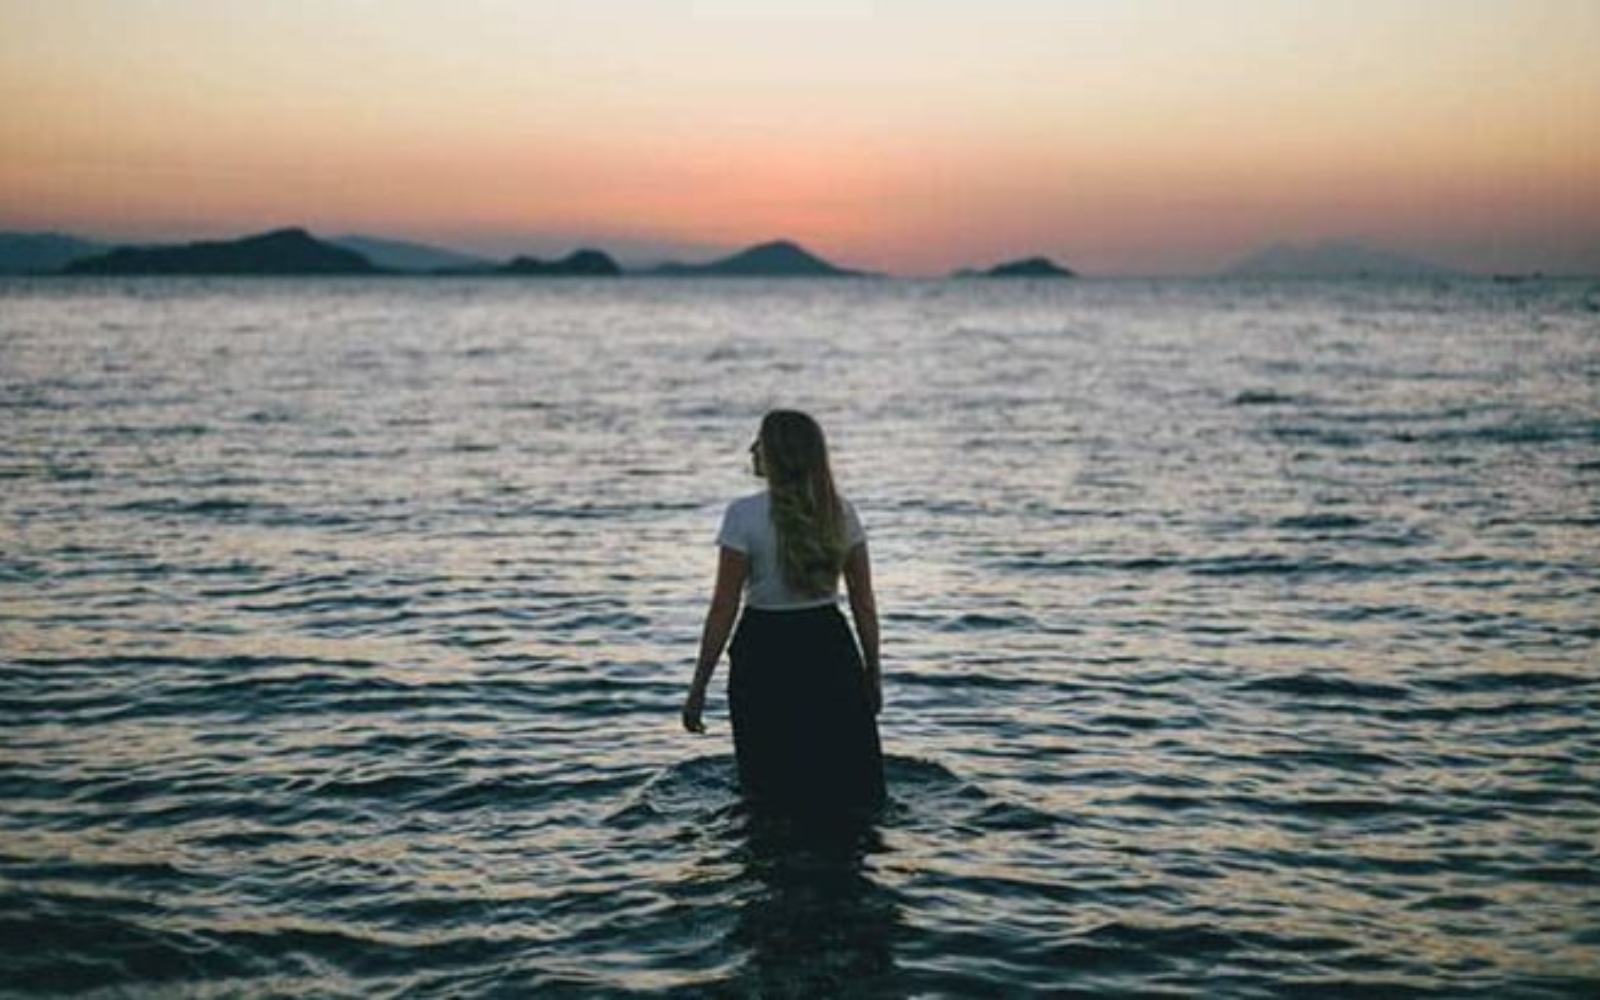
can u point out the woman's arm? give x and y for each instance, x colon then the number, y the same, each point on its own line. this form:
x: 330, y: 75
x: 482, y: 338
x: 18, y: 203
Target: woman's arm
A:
x: 864, y: 609
x: 732, y: 567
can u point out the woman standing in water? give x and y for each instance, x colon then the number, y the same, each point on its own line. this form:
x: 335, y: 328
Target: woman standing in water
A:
x: 803, y: 698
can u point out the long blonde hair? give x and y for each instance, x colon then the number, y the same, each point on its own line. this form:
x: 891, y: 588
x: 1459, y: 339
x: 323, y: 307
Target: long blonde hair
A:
x: 806, y: 513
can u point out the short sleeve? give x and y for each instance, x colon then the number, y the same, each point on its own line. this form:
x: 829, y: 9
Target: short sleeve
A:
x: 854, y: 534
x: 732, y: 534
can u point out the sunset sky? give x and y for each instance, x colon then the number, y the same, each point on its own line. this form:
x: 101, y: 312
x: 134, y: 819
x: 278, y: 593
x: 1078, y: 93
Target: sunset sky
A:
x: 1137, y: 136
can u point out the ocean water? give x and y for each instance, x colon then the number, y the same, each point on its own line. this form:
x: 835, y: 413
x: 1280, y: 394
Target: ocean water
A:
x: 1240, y: 638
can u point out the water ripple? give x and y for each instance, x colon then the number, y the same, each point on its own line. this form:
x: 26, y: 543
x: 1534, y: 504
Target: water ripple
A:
x: 1239, y: 639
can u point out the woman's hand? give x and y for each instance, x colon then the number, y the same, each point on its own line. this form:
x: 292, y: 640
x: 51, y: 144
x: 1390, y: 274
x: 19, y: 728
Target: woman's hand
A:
x: 692, y: 707
x: 873, y: 682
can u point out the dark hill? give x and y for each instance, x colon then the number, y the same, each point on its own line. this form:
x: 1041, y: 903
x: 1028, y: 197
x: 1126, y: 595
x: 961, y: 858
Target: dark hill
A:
x: 1028, y: 267
x: 578, y: 264
x: 282, y: 251
x: 778, y: 259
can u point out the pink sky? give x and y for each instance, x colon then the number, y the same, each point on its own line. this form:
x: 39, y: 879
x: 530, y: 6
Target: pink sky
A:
x: 910, y: 137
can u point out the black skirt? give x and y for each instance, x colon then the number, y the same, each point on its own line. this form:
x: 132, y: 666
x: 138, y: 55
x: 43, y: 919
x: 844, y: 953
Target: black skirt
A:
x: 803, y: 728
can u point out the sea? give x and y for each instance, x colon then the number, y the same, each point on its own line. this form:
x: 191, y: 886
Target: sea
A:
x: 1240, y: 638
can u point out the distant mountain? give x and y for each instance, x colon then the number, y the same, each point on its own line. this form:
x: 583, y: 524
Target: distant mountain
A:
x: 283, y: 251
x: 41, y: 253
x: 778, y: 259
x: 578, y: 264
x: 1331, y: 259
x: 401, y: 255
x: 1027, y: 267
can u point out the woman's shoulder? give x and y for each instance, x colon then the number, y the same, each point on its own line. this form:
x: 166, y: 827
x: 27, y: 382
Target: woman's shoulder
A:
x: 854, y: 533
x: 749, y: 503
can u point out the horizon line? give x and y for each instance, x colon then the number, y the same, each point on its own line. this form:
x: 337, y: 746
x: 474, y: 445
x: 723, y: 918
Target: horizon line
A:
x: 638, y: 264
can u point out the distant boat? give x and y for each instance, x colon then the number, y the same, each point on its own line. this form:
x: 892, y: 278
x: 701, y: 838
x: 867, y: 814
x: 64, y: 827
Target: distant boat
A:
x: 282, y: 251
x: 777, y: 259
x: 1332, y: 259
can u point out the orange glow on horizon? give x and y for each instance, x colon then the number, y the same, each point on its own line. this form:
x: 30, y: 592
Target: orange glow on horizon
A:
x: 914, y: 138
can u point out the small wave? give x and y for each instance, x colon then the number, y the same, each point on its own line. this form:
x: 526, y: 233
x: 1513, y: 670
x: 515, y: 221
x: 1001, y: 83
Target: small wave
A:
x: 919, y: 771
x: 1133, y: 564
x: 210, y: 507
x: 33, y: 402
x: 1015, y: 816
x: 522, y: 791
x: 1513, y: 680
x: 979, y: 679
x: 1323, y: 686
x: 159, y: 431
x: 1279, y: 565
x: 1519, y: 432
x: 1262, y: 397
x: 1192, y: 940
x: 1165, y: 803
x: 1329, y: 436
x: 1123, y: 721
x: 269, y: 416
x: 51, y: 472
x: 1340, y: 808
x: 1341, y: 759
x: 330, y: 603
x: 472, y: 447
x: 300, y: 581
x: 685, y: 789
x: 1320, y: 522
x: 128, y: 875
x: 387, y: 787
x: 1456, y: 713
x: 1352, y: 430
x: 15, y: 570
x: 443, y: 745
x: 607, y: 621
x: 922, y: 792
x: 312, y: 687
x: 1250, y: 564
x: 974, y: 621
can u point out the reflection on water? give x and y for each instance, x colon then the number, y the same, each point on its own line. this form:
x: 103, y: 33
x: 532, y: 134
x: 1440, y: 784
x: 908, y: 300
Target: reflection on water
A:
x: 816, y: 923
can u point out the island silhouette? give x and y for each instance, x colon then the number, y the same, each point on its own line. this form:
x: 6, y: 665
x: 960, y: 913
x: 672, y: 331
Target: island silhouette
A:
x: 1026, y: 267
x: 579, y: 263
x: 281, y: 251
x: 774, y: 259
x: 292, y: 251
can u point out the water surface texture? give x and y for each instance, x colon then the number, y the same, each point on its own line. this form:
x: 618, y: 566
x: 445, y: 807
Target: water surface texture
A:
x: 1240, y: 638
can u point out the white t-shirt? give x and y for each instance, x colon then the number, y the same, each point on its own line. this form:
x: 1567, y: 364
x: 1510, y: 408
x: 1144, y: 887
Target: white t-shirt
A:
x: 747, y: 528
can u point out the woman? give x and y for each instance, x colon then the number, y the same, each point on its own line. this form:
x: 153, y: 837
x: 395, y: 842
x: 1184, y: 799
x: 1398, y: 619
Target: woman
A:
x: 803, y: 699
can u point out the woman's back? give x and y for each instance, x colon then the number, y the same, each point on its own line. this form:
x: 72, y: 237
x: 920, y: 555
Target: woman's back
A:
x: 747, y: 528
